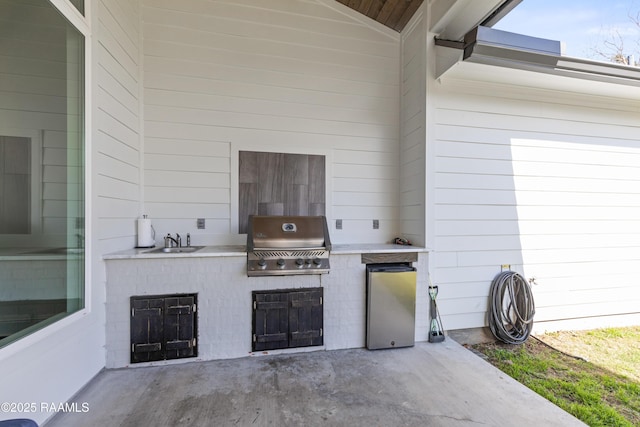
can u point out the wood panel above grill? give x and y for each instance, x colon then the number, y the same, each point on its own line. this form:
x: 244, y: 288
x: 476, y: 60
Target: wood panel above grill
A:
x: 280, y: 184
x: 394, y: 14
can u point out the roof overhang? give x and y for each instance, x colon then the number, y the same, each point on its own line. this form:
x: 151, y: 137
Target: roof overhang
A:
x: 485, y: 45
x: 452, y: 19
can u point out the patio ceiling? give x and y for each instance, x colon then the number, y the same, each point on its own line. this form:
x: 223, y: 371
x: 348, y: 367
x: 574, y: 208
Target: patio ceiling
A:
x: 395, y: 14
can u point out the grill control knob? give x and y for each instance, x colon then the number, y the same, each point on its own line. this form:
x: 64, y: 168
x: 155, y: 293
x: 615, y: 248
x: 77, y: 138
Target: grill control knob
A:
x: 262, y: 263
x: 280, y: 263
x: 299, y: 262
x: 307, y: 261
x: 317, y: 262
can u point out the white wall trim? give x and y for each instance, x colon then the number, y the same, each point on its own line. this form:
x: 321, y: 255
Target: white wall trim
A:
x: 141, y: 113
x: 430, y: 140
x: 23, y: 344
x: 89, y: 66
x: 74, y: 16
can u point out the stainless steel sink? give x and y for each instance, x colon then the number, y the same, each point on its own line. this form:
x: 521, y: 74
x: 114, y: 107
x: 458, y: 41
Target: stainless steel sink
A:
x: 176, y: 250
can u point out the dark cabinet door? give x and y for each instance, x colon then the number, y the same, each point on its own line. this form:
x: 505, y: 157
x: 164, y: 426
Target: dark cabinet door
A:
x: 179, y: 327
x: 305, y: 318
x: 271, y: 321
x: 287, y: 318
x: 163, y: 327
x: 147, y: 329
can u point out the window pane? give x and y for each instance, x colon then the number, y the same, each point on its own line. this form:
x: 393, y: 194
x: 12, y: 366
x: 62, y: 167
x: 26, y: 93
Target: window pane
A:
x: 41, y: 168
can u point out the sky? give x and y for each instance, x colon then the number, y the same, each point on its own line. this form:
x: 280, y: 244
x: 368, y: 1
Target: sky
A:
x: 582, y: 24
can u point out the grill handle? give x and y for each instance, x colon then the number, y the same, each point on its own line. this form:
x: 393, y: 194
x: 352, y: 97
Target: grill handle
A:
x: 288, y: 249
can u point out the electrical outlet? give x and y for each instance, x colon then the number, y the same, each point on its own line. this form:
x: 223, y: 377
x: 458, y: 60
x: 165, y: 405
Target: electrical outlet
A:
x: 376, y: 224
x: 338, y: 224
x: 200, y: 223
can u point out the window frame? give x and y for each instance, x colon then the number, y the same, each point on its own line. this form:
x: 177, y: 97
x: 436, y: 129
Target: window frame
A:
x: 82, y: 23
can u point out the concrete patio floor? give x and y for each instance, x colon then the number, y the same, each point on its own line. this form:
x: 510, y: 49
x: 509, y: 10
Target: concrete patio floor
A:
x: 440, y: 384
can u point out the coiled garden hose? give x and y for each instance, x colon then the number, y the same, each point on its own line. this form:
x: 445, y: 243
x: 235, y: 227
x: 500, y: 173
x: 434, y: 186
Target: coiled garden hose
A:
x: 511, y: 308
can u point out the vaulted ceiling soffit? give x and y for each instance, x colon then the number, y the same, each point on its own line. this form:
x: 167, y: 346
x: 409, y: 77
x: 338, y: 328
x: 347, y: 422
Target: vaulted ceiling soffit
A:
x: 395, y: 14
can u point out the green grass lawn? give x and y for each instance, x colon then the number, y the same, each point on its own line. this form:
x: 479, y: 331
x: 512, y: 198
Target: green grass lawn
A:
x: 601, y: 388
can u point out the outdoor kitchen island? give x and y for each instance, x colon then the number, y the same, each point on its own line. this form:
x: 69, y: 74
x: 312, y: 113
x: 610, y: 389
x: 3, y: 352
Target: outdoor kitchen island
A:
x: 218, y: 276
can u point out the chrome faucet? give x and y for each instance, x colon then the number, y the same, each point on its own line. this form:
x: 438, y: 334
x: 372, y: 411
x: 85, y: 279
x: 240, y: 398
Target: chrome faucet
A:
x: 169, y: 241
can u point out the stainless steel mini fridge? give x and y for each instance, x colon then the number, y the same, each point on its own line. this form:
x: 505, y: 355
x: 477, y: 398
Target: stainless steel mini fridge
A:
x: 391, y: 305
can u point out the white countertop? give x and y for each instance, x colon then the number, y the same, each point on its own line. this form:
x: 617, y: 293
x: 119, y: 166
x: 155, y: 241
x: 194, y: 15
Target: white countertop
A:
x: 207, y: 251
x: 240, y: 250
x: 371, y: 248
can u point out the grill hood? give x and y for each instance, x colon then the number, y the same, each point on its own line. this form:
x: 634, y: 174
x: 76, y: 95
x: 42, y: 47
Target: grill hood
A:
x: 288, y: 232
x: 287, y: 245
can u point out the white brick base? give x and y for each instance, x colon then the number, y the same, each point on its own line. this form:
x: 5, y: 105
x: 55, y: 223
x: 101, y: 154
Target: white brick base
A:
x: 224, y: 300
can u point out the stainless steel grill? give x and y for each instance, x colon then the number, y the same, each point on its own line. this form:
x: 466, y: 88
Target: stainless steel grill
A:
x: 286, y: 245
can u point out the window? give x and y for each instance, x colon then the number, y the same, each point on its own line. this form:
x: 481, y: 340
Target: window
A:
x: 41, y: 167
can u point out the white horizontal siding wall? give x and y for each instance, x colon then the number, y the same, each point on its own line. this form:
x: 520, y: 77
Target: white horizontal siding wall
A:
x: 117, y: 142
x: 286, y: 76
x: 413, y: 162
x: 547, y: 182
